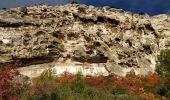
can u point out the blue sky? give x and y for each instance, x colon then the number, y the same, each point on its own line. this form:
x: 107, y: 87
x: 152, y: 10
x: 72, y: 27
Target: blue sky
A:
x: 152, y: 7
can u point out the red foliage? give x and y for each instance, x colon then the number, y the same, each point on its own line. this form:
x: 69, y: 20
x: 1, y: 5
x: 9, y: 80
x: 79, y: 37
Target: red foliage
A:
x: 119, y: 81
x: 98, y: 80
x: 7, y: 84
x: 135, y: 83
x: 134, y: 80
x: 153, y: 79
x: 67, y: 77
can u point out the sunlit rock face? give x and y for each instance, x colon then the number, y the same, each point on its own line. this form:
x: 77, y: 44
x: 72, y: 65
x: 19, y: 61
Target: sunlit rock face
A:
x: 92, y: 40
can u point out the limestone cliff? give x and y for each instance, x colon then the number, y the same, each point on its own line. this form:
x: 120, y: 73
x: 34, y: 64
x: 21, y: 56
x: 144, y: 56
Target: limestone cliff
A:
x: 73, y: 37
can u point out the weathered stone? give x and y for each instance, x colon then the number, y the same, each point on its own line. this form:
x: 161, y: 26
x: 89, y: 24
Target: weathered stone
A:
x: 73, y: 33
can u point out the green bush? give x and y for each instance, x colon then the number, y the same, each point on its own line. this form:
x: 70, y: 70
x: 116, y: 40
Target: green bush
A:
x: 164, y: 62
x: 97, y: 93
x: 64, y: 91
x: 119, y: 90
x: 77, y: 84
x: 90, y: 93
x: 47, y: 75
x: 163, y: 68
x: 129, y: 96
x: 54, y: 96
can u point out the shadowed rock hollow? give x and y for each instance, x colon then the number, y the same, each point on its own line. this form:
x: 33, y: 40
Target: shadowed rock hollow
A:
x: 73, y: 37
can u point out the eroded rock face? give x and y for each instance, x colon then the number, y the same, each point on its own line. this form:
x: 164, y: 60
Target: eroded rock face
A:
x: 122, y: 41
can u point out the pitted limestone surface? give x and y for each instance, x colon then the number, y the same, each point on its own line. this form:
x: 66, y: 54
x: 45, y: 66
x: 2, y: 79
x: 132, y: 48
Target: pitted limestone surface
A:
x: 122, y: 41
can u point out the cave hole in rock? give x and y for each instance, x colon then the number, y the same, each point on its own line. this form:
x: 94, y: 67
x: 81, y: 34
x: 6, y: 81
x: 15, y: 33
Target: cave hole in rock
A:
x: 129, y: 42
x: 89, y: 51
x: 34, y: 61
x: 30, y: 24
x: 100, y: 19
x: 98, y: 59
x: 52, y: 15
x: 97, y: 44
x: 149, y: 27
x: 148, y: 60
x: 81, y: 10
x: 147, y: 48
x: 113, y: 21
x: 140, y: 50
x: 65, y: 12
x: 87, y: 20
x: 120, y: 57
x: 117, y: 39
x: 131, y: 61
x: 80, y: 59
x: 39, y: 33
x: 1, y: 42
x: 109, y: 44
x: 15, y: 25
x: 44, y: 10
x: 125, y: 64
x: 140, y: 29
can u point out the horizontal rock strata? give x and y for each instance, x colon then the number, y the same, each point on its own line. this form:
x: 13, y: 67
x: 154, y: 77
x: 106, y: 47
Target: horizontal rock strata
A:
x: 118, y: 41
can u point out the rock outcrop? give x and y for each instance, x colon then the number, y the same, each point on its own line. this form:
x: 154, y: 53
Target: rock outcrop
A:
x: 118, y: 41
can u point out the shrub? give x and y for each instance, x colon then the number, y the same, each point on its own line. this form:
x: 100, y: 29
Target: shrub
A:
x: 97, y: 93
x: 54, y: 96
x: 163, y: 68
x: 44, y: 87
x: 128, y: 97
x: 64, y: 91
x: 10, y: 89
x: 77, y: 84
x: 74, y: 87
x: 153, y: 79
x: 164, y: 62
x: 89, y: 93
x: 119, y: 90
x: 162, y: 90
x: 47, y: 75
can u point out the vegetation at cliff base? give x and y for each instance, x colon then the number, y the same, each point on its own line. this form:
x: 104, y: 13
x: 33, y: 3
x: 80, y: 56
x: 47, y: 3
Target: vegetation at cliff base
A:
x: 77, y: 87
x: 154, y: 86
